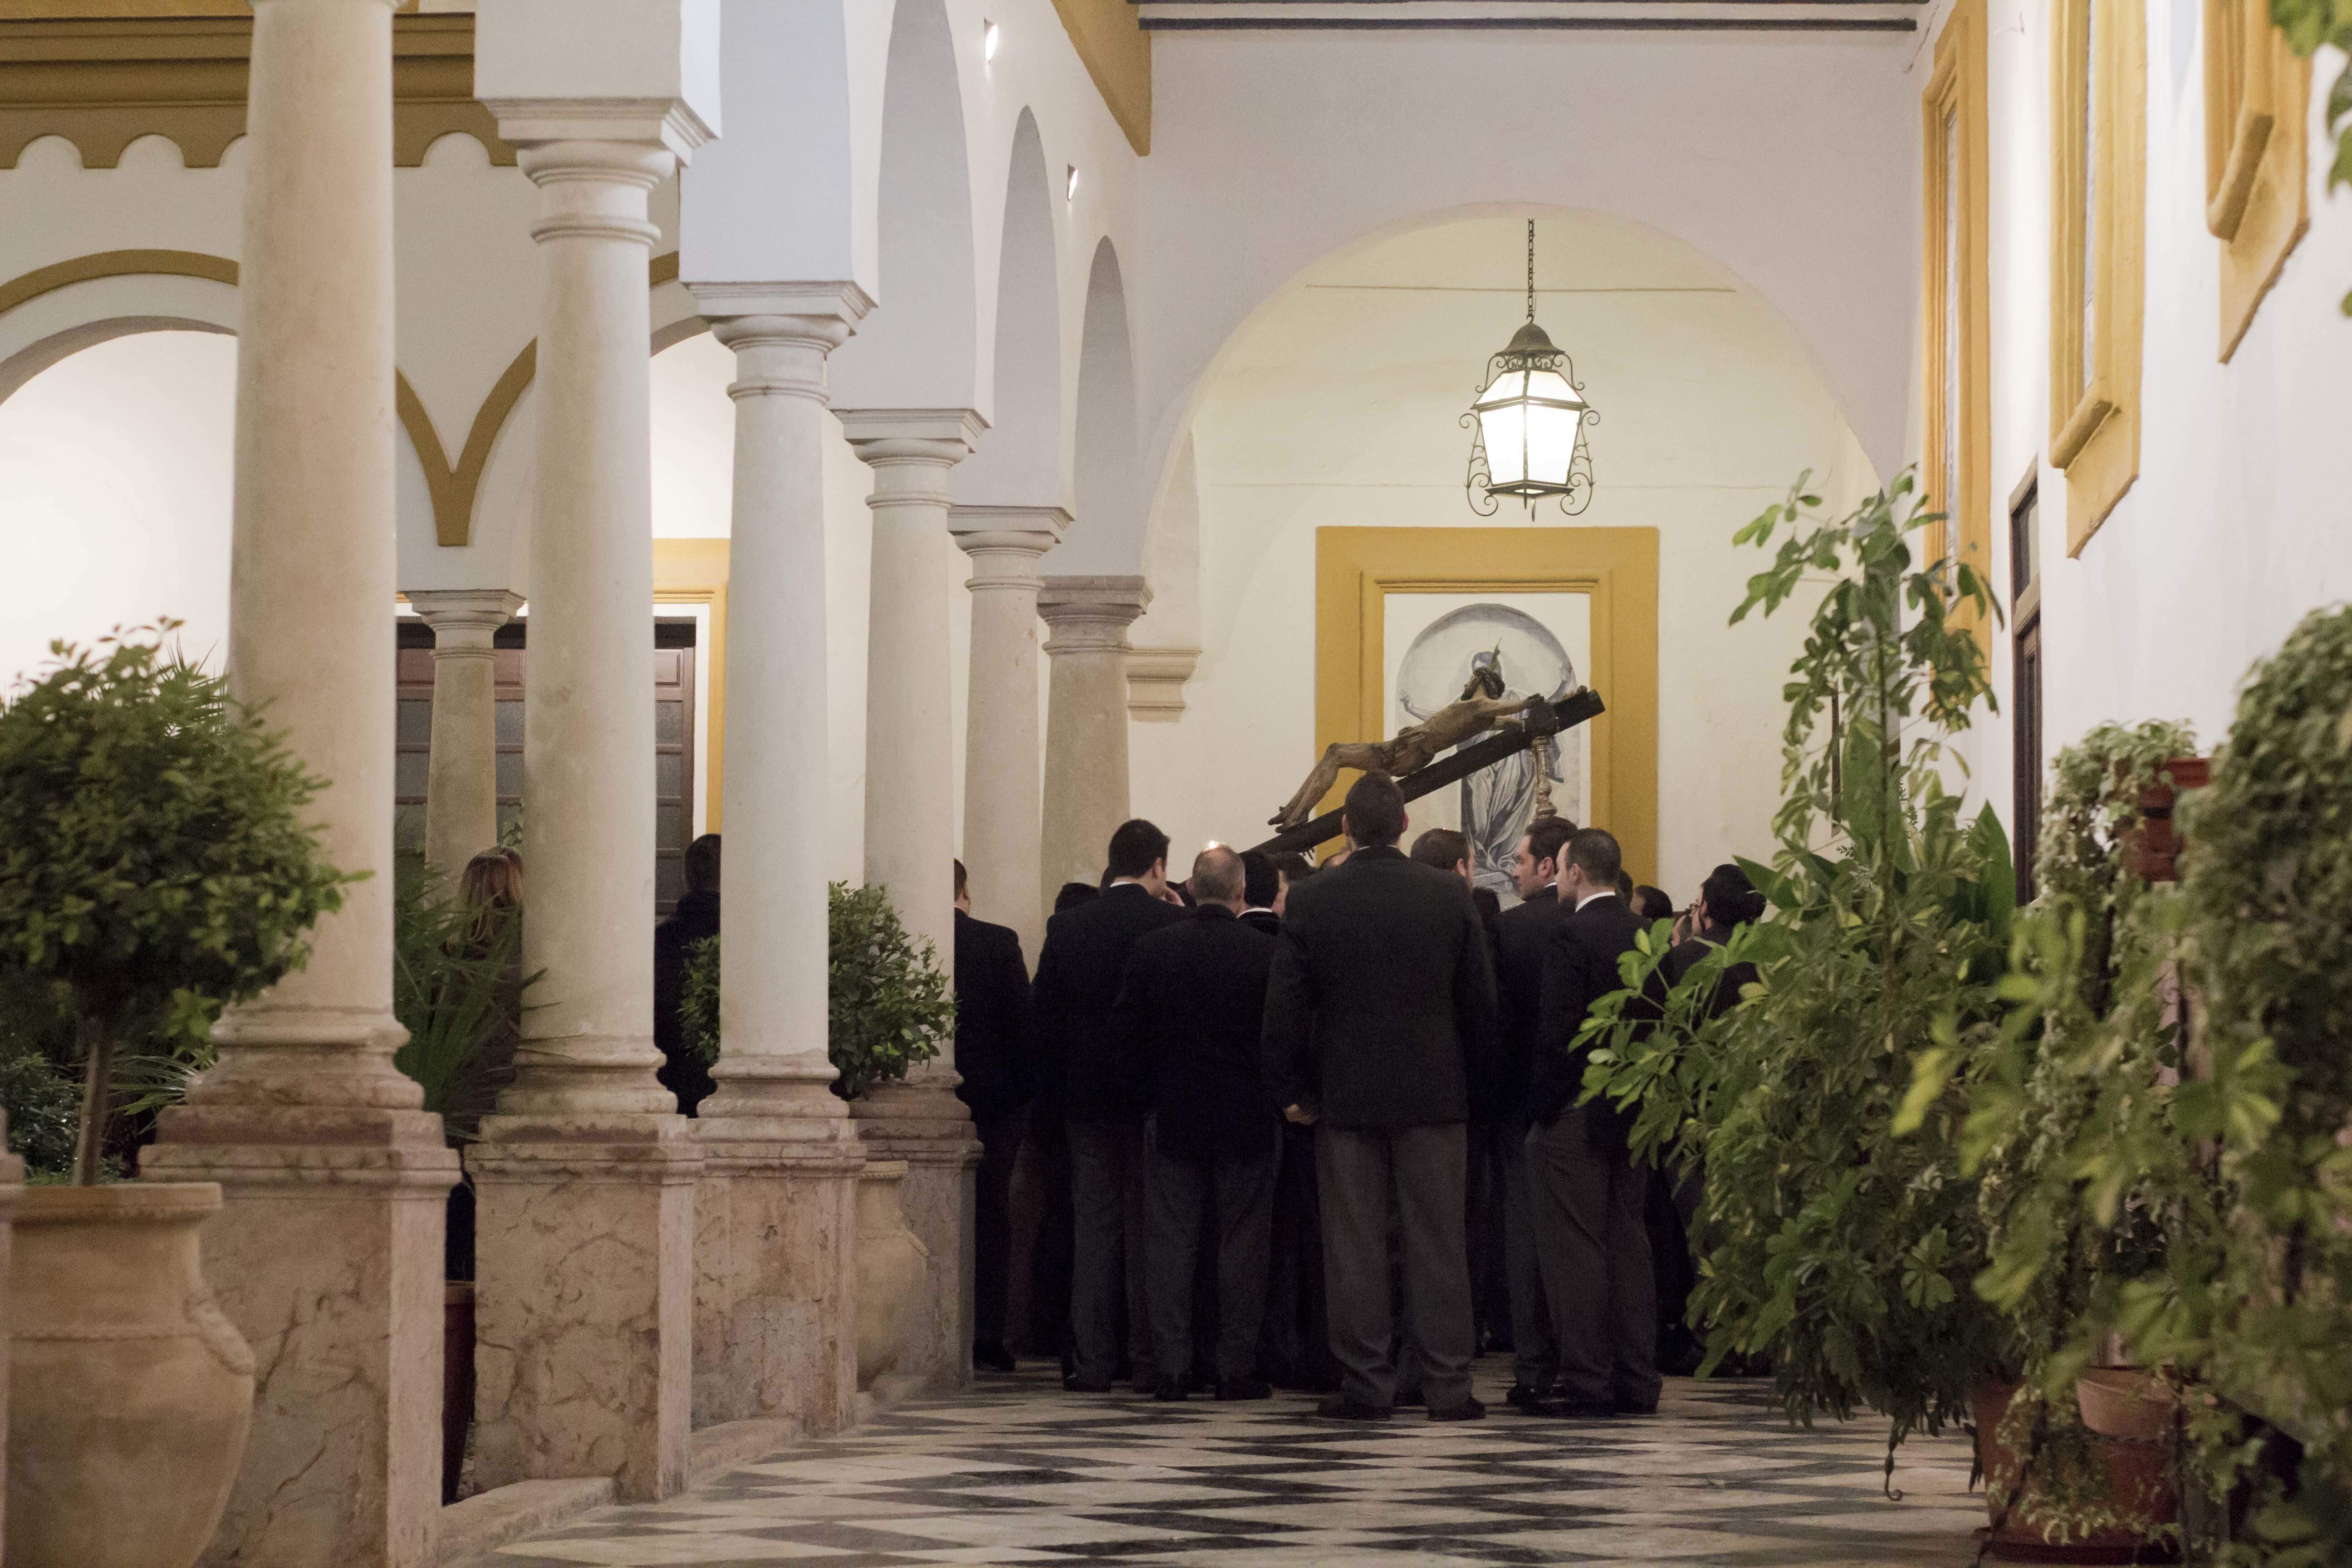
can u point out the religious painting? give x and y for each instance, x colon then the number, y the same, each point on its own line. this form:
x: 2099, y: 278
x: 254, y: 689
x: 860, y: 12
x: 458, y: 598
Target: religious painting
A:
x: 1541, y: 645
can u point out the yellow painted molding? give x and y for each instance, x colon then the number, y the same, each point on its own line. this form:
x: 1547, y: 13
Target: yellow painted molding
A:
x: 114, y: 264
x: 104, y: 76
x: 1117, y: 53
x: 1357, y: 568
x: 453, y: 487
x: 2099, y: 142
x: 2257, y: 94
x: 694, y: 571
x: 1953, y: 140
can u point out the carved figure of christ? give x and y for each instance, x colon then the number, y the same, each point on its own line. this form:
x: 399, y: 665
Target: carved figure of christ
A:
x: 1412, y: 747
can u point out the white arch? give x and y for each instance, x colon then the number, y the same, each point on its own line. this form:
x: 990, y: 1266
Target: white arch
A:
x: 1107, y: 533
x: 1022, y: 462
x: 48, y: 327
x: 920, y: 348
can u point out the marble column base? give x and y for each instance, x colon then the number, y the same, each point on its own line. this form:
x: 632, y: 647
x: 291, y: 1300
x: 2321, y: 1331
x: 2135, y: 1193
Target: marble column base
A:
x: 776, y: 1275
x: 584, y: 1302
x: 328, y: 1261
x: 928, y: 1128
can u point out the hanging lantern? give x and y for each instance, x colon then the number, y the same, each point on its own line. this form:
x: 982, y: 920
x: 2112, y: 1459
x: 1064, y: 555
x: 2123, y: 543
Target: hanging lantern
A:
x: 1528, y: 421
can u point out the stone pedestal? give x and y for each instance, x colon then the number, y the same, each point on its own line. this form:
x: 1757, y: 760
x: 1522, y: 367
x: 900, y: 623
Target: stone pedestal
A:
x: 586, y: 1176
x: 461, y: 785
x: 1000, y: 802
x: 923, y: 1123
x: 1086, y: 721
x: 775, y: 1257
x: 327, y: 1253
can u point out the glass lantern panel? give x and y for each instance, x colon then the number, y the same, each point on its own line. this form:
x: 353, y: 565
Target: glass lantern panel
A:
x: 1551, y: 430
x: 1503, y: 422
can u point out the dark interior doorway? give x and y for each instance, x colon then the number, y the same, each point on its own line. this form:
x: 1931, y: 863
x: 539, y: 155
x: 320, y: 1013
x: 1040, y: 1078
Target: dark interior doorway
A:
x: 2025, y: 676
x: 673, y: 741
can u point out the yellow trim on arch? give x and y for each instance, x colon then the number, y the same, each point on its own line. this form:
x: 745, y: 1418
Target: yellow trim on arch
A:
x: 1357, y: 568
x: 452, y: 488
x: 694, y: 571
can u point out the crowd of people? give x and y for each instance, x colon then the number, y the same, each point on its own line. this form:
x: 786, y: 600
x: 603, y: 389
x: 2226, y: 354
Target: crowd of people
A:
x: 1317, y: 1126
x: 1314, y: 1126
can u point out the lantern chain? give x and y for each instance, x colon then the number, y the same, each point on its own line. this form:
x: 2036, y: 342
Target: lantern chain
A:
x: 1531, y: 269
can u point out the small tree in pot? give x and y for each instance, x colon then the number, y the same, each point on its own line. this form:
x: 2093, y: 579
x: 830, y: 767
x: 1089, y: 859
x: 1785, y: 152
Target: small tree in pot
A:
x: 153, y: 862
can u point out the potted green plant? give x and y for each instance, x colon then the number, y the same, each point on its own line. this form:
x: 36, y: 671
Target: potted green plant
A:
x: 889, y: 1007
x: 1837, y: 1250
x: 2080, y: 1177
x: 457, y: 988
x: 151, y: 851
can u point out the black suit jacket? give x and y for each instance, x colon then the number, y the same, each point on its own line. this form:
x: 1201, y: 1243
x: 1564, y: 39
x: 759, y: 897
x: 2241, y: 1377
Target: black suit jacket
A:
x: 1520, y: 937
x: 1266, y: 921
x: 992, y: 1018
x: 1084, y: 1071
x: 1382, y: 995
x: 683, y: 1073
x: 1193, y: 1010
x: 1580, y: 968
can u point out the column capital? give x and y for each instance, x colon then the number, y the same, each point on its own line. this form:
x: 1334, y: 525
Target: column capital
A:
x: 1006, y: 530
x: 944, y: 436
x: 1091, y: 613
x: 1155, y: 681
x: 643, y: 71
x: 834, y: 299
x: 465, y: 617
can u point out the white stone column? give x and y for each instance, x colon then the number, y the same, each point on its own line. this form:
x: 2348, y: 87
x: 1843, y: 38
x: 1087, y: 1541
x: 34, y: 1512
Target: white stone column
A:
x: 1086, y: 721
x: 327, y: 1254
x: 910, y: 834
x: 1001, y: 803
x: 461, y: 783
x: 586, y: 1175
x: 776, y: 1281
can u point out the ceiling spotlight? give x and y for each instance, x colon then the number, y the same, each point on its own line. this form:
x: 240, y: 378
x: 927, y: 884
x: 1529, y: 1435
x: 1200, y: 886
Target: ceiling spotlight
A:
x: 988, y: 36
x: 1070, y: 188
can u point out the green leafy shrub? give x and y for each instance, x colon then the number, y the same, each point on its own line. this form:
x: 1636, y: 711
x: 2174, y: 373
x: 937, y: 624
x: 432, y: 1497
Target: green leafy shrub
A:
x: 153, y: 862
x: 1835, y: 1248
x: 890, y: 1004
x: 2259, y: 1301
x: 2084, y: 1177
x: 457, y: 988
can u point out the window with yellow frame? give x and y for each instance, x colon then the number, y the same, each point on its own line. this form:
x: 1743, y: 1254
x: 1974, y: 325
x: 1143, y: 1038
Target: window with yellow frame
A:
x: 1955, y: 467
x: 2256, y: 95
x: 2099, y: 187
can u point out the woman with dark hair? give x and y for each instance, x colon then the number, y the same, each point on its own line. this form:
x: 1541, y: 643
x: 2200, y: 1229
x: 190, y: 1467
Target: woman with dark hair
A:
x: 1652, y: 903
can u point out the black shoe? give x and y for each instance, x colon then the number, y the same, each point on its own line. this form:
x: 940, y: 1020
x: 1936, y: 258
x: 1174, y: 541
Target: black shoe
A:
x: 1339, y: 1407
x: 1073, y: 1384
x: 1523, y: 1396
x: 1410, y: 1399
x: 1244, y: 1388
x: 1573, y: 1409
x: 992, y: 1358
x: 1468, y: 1410
x: 1170, y: 1389
x: 1634, y: 1407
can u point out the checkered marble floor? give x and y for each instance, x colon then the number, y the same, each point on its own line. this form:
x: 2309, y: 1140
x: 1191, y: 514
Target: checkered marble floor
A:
x: 1017, y: 1471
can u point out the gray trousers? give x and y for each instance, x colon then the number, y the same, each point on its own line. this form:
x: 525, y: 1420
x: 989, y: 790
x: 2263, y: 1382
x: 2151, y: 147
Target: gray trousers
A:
x: 1241, y: 1189
x: 1108, y: 1184
x: 1535, y: 1360
x: 1595, y: 1253
x: 1359, y: 1170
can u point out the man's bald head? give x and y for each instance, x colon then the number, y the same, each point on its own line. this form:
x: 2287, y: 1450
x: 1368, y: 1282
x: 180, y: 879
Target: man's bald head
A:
x: 1218, y: 877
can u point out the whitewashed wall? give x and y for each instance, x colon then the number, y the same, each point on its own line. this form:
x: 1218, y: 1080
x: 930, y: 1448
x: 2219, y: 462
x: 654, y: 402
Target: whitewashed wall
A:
x: 2237, y: 525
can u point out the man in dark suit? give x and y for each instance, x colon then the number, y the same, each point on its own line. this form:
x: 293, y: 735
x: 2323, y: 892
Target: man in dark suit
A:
x: 1588, y: 1193
x: 992, y: 1056
x: 1519, y: 942
x: 1261, y: 890
x: 696, y: 920
x: 1089, y: 1067
x: 1193, y: 1008
x: 1381, y: 996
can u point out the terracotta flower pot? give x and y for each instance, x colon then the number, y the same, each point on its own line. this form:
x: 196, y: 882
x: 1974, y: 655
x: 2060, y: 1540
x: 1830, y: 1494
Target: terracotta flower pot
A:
x: 893, y: 1267
x: 130, y: 1394
x: 2125, y: 1402
x: 2152, y: 852
x: 2140, y: 1486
